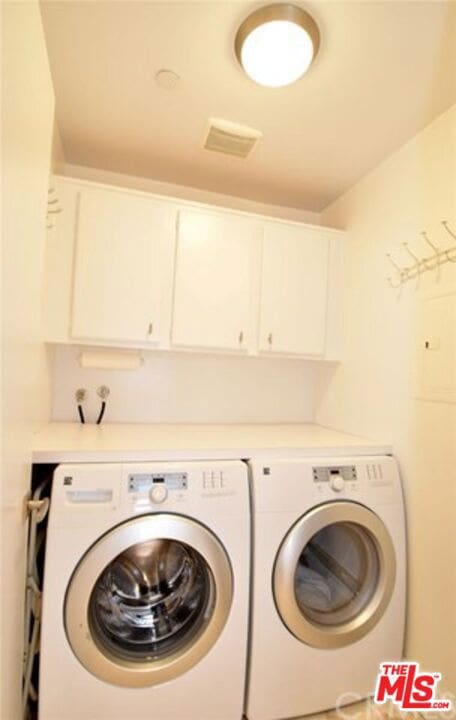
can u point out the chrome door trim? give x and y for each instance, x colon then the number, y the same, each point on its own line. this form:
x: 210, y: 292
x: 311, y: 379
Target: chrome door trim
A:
x: 127, y: 673
x: 338, y: 635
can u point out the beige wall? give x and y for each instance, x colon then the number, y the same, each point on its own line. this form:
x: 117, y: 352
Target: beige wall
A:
x: 184, y: 192
x: 374, y: 391
x: 189, y: 387
x: 27, y: 118
x: 58, y: 152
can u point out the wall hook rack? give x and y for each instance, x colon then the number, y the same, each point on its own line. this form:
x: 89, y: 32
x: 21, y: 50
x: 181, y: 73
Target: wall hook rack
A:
x: 439, y: 256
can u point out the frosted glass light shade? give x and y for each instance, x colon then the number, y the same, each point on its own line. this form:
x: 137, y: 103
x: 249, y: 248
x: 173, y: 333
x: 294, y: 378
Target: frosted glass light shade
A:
x: 276, y: 44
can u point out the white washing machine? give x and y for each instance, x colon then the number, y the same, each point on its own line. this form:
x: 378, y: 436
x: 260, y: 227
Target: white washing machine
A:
x: 329, y: 582
x: 146, y: 592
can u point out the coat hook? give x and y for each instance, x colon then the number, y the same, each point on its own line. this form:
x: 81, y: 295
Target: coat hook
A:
x: 412, y: 254
x: 393, y: 263
x: 394, y: 285
x: 432, y: 263
x: 429, y: 242
x: 448, y: 229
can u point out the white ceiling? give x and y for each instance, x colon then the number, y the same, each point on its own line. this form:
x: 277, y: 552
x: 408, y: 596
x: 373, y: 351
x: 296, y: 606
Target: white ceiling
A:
x: 384, y: 70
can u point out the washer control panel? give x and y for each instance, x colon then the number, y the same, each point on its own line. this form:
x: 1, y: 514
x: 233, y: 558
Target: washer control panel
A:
x: 335, y: 477
x: 156, y: 487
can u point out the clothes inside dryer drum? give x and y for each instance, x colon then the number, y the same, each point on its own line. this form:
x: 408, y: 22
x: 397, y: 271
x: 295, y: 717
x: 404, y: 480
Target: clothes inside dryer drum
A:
x: 151, y: 600
x: 312, y: 588
x: 337, y: 573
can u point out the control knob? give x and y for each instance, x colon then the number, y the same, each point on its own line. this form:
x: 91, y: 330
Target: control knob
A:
x: 337, y: 483
x: 158, y: 493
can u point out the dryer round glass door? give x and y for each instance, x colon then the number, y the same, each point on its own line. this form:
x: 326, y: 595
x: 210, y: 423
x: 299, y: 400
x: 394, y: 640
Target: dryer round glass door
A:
x: 334, y: 574
x: 148, y: 600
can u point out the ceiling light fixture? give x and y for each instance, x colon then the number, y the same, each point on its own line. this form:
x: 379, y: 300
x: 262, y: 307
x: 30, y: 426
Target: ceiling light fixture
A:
x: 276, y: 44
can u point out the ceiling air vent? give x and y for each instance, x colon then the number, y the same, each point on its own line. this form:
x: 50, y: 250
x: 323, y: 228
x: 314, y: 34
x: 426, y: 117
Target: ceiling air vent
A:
x: 230, y: 138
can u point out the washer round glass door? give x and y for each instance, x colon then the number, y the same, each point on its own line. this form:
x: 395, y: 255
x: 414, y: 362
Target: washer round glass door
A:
x: 148, y: 600
x: 334, y: 574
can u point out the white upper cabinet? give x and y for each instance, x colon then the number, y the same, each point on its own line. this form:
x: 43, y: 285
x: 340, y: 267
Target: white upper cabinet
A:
x: 217, y: 259
x: 293, y: 304
x: 128, y: 269
x: 121, y: 240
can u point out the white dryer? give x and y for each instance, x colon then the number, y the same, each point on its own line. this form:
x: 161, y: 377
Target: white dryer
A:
x: 145, y: 609
x: 328, y: 582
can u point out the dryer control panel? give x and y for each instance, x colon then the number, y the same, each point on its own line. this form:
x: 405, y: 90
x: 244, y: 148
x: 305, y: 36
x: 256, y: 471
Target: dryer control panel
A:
x: 325, y: 474
x: 284, y: 485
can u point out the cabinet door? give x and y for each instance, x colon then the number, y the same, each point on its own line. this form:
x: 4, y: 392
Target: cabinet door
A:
x: 293, y: 290
x: 214, y: 277
x: 117, y: 271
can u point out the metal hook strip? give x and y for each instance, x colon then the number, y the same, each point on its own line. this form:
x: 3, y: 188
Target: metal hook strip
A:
x: 420, y: 265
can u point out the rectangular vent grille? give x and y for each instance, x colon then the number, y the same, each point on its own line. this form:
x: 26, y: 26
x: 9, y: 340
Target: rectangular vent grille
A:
x: 231, y: 139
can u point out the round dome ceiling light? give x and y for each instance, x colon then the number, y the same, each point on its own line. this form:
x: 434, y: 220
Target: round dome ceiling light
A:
x: 276, y: 44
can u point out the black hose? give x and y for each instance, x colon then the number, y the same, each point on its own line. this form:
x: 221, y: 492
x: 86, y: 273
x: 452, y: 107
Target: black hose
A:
x: 81, y: 414
x: 102, y: 411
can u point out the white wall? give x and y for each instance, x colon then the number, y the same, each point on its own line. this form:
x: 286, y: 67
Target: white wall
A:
x: 373, y: 391
x: 27, y: 117
x: 179, y: 387
x: 58, y: 153
x: 188, y: 193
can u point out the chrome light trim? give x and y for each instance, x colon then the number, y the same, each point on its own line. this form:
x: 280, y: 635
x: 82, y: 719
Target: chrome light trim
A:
x: 345, y: 633
x: 125, y: 673
x: 270, y: 13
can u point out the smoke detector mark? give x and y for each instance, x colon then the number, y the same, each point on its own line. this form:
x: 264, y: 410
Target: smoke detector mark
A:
x: 167, y: 79
x: 231, y: 138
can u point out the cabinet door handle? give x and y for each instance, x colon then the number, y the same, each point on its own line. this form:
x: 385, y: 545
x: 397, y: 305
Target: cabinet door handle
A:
x: 241, y: 337
x: 270, y: 338
x: 150, y: 329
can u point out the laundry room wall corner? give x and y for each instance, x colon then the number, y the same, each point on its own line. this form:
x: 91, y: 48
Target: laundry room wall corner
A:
x: 378, y: 392
x: 27, y: 120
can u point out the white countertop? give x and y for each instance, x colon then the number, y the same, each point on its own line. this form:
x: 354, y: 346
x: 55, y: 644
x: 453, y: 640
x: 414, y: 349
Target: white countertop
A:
x: 73, y: 442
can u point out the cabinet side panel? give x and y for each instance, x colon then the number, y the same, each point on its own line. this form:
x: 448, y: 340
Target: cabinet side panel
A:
x: 334, y: 346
